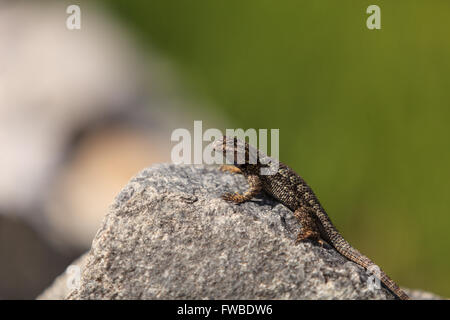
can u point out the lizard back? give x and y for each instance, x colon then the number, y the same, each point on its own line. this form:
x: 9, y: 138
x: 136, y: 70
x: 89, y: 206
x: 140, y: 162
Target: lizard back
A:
x: 291, y: 190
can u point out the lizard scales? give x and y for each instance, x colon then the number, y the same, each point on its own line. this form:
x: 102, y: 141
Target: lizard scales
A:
x: 286, y: 186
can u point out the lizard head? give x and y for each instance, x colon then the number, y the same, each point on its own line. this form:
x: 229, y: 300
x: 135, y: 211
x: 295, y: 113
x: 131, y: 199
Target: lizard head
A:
x: 246, y: 157
x: 238, y: 152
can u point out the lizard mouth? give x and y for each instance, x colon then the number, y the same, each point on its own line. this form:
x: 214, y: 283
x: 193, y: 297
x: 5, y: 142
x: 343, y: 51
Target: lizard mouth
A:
x: 224, y: 143
x: 228, y: 146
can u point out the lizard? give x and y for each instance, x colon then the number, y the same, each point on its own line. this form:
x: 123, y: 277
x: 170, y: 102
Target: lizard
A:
x: 287, y: 187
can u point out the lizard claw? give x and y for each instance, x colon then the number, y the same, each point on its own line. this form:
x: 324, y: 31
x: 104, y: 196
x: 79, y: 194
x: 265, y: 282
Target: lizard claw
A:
x: 310, y: 235
x: 322, y: 242
x: 233, y: 197
x: 230, y: 168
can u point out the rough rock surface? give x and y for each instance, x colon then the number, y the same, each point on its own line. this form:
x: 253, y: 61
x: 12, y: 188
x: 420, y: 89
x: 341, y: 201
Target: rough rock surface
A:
x: 168, y: 235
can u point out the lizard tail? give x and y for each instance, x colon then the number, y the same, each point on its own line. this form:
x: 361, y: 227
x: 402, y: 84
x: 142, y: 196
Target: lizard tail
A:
x: 343, y: 247
x: 357, y: 257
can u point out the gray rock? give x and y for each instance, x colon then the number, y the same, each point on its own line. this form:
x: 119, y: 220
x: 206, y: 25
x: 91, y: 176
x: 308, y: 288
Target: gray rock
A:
x: 168, y: 235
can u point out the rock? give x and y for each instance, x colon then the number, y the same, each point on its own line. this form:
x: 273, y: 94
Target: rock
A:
x: 168, y: 235
x: 422, y: 295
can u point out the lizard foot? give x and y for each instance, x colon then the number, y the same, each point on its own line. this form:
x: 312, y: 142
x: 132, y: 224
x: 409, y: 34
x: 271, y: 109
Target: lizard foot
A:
x: 310, y: 235
x: 233, y: 197
x: 230, y: 168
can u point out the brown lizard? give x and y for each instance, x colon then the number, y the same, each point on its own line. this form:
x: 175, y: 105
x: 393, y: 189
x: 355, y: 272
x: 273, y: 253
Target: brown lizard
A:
x: 291, y: 190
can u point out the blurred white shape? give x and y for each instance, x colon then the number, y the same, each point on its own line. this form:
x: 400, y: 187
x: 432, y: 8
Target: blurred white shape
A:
x: 52, y: 81
x: 56, y: 82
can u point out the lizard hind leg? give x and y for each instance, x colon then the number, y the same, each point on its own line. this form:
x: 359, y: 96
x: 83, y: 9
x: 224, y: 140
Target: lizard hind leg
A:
x: 309, y: 229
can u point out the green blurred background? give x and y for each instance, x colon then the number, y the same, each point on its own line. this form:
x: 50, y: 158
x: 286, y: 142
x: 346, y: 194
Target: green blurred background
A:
x: 363, y: 114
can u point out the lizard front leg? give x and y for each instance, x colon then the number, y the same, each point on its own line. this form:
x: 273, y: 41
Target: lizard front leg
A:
x: 309, y: 230
x: 230, y: 168
x: 255, y: 188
